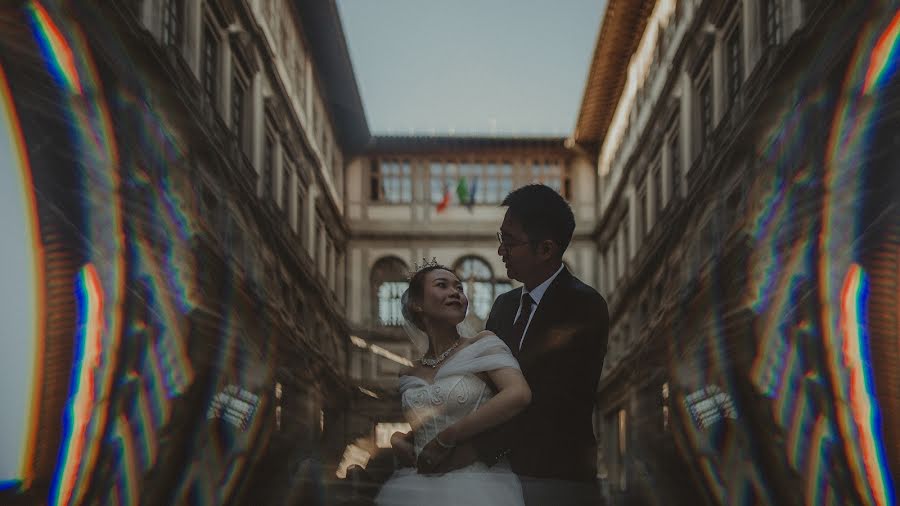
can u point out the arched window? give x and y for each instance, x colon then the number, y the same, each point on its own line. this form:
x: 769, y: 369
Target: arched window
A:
x: 388, y: 284
x: 480, y: 286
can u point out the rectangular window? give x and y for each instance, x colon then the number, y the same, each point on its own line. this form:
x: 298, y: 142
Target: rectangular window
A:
x: 238, y: 92
x: 320, y: 245
x: 489, y: 181
x: 268, y: 168
x: 436, y: 182
x: 674, y: 143
x: 374, y: 182
x: 287, y: 170
x: 210, y: 64
x: 705, y: 95
x: 735, y: 55
x: 389, y: 302
x: 171, y: 22
x: 491, y: 193
x: 392, y: 182
x: 506, y: 182
x: 643, y: 214
x: 773, y: 21
x: 298, y: 209
x: 444, y: 179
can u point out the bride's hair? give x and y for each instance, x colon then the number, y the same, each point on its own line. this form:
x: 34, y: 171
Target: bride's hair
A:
x: 416, y: 292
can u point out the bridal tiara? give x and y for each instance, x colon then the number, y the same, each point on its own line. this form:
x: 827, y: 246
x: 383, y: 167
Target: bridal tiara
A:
x: 426, y: 264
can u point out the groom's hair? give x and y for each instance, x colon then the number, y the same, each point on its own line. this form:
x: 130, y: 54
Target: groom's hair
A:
x: 543, y: 214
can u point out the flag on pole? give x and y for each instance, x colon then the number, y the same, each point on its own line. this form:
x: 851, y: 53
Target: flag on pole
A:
x: 472, y: 191
x: 462, y: 191
x: 445, y: 201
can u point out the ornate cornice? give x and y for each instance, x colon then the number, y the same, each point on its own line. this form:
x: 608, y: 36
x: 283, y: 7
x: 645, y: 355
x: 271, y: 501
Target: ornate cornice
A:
x: 623, y: 25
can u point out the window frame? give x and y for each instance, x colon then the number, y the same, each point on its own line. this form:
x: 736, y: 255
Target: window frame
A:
x: 171, y: 22
x: 673, y: 148
x: 401, y: 180
x: 705, y: 107
x: 471, y: 284
x: 642, y: 203
x: 240, y: 80
x: 287, y: 176
x: 772, y: 17
x: 210, y: 50
x: 734, y: 63
x: 267, y: 175
x: 388, y: 269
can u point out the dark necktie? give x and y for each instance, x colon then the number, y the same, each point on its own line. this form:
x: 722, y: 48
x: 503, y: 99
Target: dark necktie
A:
x: 522, y: 321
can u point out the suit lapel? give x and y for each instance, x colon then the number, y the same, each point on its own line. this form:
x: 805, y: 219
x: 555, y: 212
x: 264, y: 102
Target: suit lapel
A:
x: 545, y: 315
x: 507, y: 315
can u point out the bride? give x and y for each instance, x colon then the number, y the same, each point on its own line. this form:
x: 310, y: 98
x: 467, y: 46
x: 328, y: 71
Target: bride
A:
x: 446, y: 399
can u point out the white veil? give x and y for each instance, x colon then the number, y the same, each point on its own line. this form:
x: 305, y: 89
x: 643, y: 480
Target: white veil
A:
x: 419, y: 338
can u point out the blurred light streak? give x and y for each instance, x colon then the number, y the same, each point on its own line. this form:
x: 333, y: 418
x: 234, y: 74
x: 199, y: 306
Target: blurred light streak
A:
x: 57, y: 51
x: 884, y: 57
x: 86, y: 359
x: 863, y: 403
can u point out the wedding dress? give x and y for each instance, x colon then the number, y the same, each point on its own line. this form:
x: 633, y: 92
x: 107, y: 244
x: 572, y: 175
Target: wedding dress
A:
x: 430, y: 408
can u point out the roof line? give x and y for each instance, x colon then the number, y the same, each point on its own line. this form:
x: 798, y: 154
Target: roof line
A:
x: 624, y: 22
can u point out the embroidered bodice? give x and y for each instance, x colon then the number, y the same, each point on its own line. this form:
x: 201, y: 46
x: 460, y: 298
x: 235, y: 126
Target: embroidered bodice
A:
x: 456, y: 390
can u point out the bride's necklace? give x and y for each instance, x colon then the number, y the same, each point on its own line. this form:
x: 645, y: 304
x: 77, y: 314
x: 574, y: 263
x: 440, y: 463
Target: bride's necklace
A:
x: 433, y: 362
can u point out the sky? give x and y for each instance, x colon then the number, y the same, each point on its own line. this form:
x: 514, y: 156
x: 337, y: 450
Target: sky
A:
x: 18, y: 337
x: 504, y: 67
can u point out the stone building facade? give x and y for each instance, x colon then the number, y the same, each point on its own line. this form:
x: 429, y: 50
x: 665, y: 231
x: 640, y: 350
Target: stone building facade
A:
x: 238, y: 242
x: 719, y: 191
x: 206, y: 239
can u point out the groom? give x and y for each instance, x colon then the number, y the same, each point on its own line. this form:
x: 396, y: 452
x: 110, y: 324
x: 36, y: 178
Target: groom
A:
x: 557, y: 327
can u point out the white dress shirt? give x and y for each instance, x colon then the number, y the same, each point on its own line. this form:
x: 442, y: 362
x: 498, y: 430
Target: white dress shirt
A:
x: 536, y: 295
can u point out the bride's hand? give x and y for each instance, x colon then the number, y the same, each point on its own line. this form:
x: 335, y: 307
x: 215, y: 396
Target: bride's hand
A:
x: 403, y: 449
x: 436, y: 451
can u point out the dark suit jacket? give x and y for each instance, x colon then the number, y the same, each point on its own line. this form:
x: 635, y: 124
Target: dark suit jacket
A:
x: 561, y: 358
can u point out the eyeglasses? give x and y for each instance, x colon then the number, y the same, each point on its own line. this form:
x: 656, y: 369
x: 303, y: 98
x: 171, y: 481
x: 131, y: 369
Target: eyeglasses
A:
x: 510, y: 244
